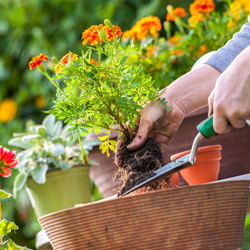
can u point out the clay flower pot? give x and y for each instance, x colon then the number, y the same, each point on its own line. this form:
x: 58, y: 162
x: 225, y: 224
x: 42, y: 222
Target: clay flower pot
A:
x: 206, y: 168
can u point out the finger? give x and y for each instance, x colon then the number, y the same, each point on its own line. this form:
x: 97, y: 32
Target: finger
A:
x: 141, y: 135
x: 211, y: 102
x: 238, y: 122
x: 221, y: 124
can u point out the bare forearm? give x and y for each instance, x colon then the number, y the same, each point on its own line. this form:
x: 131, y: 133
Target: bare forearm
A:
x: 190, y: 92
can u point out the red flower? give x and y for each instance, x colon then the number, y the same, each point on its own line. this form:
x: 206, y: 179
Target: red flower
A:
x: 36, y: 61
x: 7, y: 161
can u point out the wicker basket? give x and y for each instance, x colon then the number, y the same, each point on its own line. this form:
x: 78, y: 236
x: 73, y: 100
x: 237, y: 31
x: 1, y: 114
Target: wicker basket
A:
x: 208, y: 216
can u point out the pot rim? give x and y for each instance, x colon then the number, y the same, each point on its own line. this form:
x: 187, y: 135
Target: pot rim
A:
x: 200, y: 151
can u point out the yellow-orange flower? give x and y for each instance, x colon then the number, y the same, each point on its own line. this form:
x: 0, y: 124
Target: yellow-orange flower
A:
x: 202, y: 6
x: 179, y: 12
x: 37, y: 60
x: 174, y: 40
x: 91, y: 35
x: 8, y: 110
x: 195, y: 19
x: 64, y: 61
x: 40, y: 102
x: 146, y: 26
x: 236, y: 7
x: 151, y: 50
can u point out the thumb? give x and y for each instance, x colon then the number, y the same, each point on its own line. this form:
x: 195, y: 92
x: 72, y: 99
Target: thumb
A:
x: 141, y: 135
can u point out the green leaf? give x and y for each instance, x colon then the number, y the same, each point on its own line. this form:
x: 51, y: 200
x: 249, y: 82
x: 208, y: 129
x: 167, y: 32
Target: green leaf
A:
x: 57, y: 128
x: 136, y: 106
x: 135, y: 112
x: 41, y: 130
x: 24, y: 155
x: 103, y: 138
x: 6, y: 227
x: 39, y: 173
x: 49, y: 122
x: 124, y: 59
x: 123, y: 105
x: 57, y: 148
x: 19, y: 143
x: 135, y: 83
x: 28, y: 138
x: 12, y: 246
x: 20, y: 180
x: 3, y: 194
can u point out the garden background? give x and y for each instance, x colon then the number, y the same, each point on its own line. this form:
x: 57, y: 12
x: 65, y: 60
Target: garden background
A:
x: 30, y: 27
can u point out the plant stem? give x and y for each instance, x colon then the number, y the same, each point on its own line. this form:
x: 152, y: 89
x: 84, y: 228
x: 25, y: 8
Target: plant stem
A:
x: 46, y: 74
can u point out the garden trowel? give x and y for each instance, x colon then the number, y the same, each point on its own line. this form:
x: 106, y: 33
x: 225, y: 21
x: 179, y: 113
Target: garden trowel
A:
x: 206, y: 130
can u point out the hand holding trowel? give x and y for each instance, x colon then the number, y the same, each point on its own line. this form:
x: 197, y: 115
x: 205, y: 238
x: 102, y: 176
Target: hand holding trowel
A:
x: 206, y: 130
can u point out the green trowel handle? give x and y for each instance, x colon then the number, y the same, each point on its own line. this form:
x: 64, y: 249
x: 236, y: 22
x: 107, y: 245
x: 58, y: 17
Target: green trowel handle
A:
x: 206, y: 128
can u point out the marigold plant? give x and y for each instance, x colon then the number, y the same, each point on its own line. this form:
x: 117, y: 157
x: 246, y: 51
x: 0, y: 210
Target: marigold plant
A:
x: 112, y: 92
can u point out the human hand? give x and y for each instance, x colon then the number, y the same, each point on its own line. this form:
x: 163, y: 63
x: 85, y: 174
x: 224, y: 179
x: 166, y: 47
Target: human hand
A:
x: 158, y: 123
x: 230, y: 99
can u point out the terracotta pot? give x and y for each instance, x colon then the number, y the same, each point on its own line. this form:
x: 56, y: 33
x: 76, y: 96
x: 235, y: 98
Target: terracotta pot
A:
x: 236, y: 144
x: 206, y: 167
x: 191, y: 217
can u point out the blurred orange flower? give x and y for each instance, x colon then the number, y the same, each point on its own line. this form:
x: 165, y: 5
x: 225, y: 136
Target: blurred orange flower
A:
x: 179, y: 12
x: 37, y: 60
x: 174, y: 40
x: 8, y: 110
x: 151, y: 50
x: 146, y: 26
x: 202, y: 6
x: 195, y: 19
x: 40, y: 102
x: 64, y: 61
x: 203, y: 48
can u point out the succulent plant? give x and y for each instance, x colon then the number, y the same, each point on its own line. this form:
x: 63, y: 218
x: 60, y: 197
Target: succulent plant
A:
x: 47, y: 146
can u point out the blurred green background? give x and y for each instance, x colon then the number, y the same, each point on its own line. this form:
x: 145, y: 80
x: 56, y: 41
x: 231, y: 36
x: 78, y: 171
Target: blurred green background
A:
x: 31, y: 27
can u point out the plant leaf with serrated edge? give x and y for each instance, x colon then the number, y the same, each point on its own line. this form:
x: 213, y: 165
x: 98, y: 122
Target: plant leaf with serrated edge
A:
x: 136, y: 106
x: 103, y: 138
x: 12, y: 246
x: 135, y: 112
x: 6, y: 227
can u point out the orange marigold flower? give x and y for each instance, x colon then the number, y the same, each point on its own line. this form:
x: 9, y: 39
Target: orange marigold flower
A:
x: 203, y: 48
x: 130, y: 34
x: 151, y: 50
x: 202, y: 6
x: 91, y: 35
x: 64, y: 61
x: 195, y: 19
x: 148, y: 26
x: 93, y: 61
x: 8, y: 110
x: 109, y: 33
x: 37, y: 60
x: 174, y: 40
x: 145, y: 26
x: 179, y: 12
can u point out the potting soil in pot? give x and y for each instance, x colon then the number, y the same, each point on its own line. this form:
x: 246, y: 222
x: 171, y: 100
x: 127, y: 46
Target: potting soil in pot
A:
x: 137, y: 166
